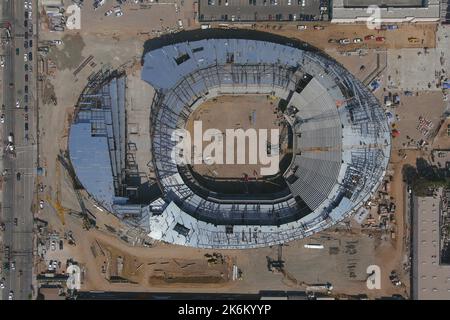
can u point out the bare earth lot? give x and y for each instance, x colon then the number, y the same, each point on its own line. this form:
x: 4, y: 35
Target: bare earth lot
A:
x: 234, y: 112
x: 118, y: 41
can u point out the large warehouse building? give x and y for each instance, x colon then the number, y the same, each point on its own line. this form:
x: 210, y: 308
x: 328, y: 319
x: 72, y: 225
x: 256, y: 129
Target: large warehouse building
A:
x: 340, y: 143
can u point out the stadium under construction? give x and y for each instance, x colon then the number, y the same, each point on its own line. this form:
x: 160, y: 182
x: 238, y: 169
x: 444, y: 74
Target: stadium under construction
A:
x: 340, y: 143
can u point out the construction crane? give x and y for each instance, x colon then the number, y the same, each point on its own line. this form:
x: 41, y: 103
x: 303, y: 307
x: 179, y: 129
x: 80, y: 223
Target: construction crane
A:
x: 89, y: 220
x: 338, y: 148
x: 277, y: 266
x: 56, y: 204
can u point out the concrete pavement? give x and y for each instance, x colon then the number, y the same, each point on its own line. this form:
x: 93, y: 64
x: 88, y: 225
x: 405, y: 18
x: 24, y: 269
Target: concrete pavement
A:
x: 18, y: 190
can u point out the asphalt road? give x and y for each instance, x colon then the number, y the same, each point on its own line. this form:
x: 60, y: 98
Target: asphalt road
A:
x: 18, y: 191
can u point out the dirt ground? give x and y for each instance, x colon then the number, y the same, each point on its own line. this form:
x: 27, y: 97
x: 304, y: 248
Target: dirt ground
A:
x: 425, y: 33
x: 428, y: 105
x: 113, y: 43
x: 164, y: 267
x: 235, y: 112
x: 442, y: 139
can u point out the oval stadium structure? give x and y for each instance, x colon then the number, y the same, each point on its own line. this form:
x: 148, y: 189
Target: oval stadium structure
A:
x: 340, y: 143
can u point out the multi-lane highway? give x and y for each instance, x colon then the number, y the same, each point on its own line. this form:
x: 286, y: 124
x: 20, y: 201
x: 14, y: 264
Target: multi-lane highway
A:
x: 18, y: 166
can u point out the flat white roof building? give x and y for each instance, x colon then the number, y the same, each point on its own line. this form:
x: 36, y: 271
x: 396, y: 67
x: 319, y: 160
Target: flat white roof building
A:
x: 397, y: 11
x: 431, y: 278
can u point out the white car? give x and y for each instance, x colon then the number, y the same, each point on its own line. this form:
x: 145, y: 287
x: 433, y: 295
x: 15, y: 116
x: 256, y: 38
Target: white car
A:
x: 344, y: 41
x: 17, y: 104
x: 2, y: 118
x: 108, y: 13
x: 57, y: 42
x: 13, y: 265
x: 11, y: 295
x: 357, y: 40
x: 41, y: 204
x: 25, y: 57
x: 119, y: 14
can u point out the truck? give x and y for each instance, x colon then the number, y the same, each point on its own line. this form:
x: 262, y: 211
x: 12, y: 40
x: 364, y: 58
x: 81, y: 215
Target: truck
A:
x: 98, y: 4
x: 326, y: 287
x: 11, y: 138
x: 313, y: 246
x: 10, y: 145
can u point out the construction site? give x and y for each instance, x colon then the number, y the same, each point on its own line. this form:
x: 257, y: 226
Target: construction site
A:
x: 79, y: 224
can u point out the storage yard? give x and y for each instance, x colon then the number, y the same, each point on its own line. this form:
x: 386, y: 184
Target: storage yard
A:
x: 116, y: 257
